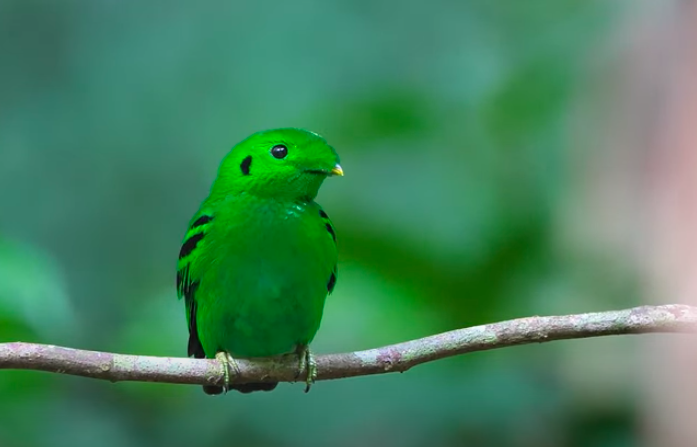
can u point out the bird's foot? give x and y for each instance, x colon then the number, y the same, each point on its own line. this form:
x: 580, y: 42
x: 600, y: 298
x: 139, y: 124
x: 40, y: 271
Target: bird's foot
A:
x: 306, y: 364
x: 228, y: 363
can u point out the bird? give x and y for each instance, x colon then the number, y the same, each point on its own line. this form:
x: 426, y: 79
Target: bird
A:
x: 259, y: 257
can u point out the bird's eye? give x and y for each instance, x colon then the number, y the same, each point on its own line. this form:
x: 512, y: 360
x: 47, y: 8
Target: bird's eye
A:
x: 279, y: 151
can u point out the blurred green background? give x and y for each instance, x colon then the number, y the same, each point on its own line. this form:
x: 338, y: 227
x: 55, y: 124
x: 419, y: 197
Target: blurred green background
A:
x: 457, y: 124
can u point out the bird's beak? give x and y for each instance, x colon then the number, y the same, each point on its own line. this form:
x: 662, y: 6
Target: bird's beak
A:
x: 337, y: 170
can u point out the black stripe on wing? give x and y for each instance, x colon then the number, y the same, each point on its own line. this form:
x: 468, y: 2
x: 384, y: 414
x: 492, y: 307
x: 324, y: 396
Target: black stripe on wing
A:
x: 330, y: 229
x: 190, y: 244
x: 201, y: 221
x: 187, y: 287
x: 332, y: 281
x: 194, y: 235
x: 327, y: 224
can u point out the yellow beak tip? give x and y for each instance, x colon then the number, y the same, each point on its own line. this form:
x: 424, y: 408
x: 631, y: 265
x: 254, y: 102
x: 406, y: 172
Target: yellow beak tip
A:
x: 337, y: 171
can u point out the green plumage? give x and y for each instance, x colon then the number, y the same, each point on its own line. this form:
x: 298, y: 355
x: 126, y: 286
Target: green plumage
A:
x: 259, y: 257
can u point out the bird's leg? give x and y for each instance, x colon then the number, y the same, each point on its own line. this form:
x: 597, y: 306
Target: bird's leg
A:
x: 228, y: 362
x: 307, y: 363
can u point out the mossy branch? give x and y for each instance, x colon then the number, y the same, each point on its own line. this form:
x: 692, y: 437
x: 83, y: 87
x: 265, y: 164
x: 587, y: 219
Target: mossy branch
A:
x: 399, y: 357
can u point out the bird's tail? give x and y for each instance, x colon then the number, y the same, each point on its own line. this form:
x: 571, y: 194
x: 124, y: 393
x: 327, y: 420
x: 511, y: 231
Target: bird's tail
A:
x: 242, y: 388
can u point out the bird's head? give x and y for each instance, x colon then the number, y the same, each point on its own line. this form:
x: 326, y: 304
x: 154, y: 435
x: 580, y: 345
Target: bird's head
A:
x: 281, y: 163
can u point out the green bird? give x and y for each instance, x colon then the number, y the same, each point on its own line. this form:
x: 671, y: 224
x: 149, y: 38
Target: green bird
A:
x: 259, y: 257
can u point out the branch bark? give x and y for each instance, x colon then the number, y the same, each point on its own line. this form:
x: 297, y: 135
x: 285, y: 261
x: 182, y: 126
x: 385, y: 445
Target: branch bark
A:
x: 400, y: 357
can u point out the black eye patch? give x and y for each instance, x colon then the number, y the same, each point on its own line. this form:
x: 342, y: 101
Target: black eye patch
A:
x: 246, y: 163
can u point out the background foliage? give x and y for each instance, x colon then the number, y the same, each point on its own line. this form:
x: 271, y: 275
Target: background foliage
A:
x: 454, y: 123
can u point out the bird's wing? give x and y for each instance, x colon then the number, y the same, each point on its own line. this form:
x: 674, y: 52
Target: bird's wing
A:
x: 186, y: 284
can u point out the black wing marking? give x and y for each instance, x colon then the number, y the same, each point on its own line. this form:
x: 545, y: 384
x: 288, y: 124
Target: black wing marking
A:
x: 187, y: 287
x: 330, y: 229
x: 201, y: 221
x: 327, y: 224
x: 190, y: 245
x: 332, y: 281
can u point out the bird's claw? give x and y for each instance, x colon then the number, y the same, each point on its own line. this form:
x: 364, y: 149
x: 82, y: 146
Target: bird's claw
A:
x: 307, y: 364
x: 227, y: 362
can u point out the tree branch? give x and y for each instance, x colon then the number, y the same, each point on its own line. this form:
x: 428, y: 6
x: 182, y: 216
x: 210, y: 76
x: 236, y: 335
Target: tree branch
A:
x: 399, y: 357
